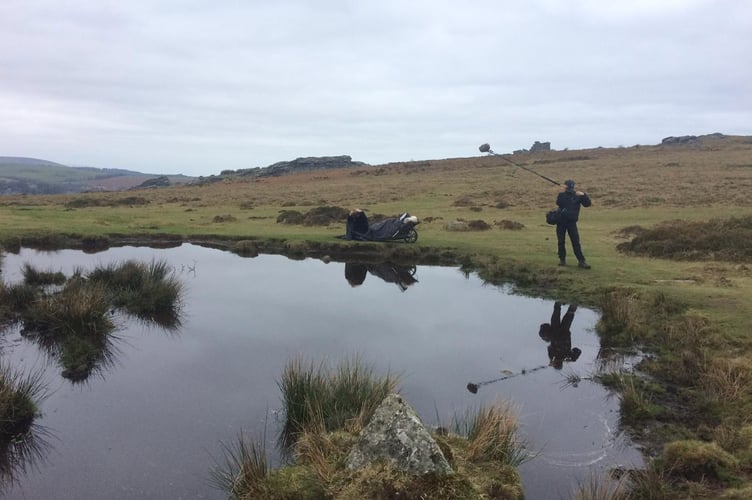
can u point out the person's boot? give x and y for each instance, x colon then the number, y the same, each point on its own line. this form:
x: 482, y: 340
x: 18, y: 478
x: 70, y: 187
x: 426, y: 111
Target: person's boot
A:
x: 583, y: 265
x: 562, y: 262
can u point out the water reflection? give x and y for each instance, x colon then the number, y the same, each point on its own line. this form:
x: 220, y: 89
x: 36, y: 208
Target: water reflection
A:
x: 150, y: 427
x: 401, y: 275
x: 78, y: 356
x: 557, y: 333
x: 72, y: 319
x: 474, y: 386
x: 22, y: 452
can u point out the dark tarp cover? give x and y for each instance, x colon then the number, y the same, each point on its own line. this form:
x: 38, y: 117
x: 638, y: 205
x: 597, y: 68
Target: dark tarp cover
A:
x: 358, y: 228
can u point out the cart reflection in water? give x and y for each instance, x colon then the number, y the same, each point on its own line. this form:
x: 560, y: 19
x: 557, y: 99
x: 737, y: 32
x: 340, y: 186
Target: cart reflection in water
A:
x: 401, y: 275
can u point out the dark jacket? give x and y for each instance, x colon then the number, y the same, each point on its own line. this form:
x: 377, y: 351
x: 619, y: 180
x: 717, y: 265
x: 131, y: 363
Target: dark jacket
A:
x: 570, y: 202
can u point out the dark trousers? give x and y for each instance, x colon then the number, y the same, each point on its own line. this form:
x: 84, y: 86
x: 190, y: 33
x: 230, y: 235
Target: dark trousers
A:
x: 562, y: 229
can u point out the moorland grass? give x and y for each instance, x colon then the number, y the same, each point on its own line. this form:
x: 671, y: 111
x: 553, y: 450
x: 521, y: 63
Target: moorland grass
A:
x: 690, y: 315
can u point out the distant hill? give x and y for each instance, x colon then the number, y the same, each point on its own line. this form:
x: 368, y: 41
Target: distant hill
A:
x: 19, y: 175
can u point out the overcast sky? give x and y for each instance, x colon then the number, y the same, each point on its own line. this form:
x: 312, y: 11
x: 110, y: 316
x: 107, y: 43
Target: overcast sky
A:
x: 200, y: 86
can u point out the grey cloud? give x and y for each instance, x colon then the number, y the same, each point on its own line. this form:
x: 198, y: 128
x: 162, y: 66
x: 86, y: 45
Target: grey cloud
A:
x: 201, y: 86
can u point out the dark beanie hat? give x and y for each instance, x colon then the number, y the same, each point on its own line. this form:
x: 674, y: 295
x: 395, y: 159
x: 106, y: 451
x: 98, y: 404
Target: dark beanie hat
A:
x: 569, y: 183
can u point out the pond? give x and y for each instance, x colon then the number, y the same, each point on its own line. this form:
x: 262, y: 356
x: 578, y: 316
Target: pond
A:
x: 149, y: 423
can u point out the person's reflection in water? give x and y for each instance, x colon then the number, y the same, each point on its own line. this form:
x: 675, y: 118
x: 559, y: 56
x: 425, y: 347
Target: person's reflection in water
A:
x: 355, y: 273
x: 402, y: 276
x: 559, y: 336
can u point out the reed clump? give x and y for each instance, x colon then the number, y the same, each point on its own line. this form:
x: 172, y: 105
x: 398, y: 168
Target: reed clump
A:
x: 148, y: 291
x: 72, y: 319
x: 79, y: 308
x: 20, y: 396
x: 22, y: 443
x: 343, y: 397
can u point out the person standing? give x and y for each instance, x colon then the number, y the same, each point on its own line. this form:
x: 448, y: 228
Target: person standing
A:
x: 569, y: 202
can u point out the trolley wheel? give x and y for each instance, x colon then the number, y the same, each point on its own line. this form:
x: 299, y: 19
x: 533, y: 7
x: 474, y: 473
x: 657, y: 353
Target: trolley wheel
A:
x: 411, y: 236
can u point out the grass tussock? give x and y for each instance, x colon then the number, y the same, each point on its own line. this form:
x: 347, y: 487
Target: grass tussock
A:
x: 148, y: 291
x: 492, y: 435
x: 602, y: 488
x: 697, y: 460
x: 650, y: 483
x: 22, y: 443
x: 727, y: 380
x: 243, y: 470
x: 20, y: 396
x: 318, y: 396
x: 734, y: 436
x: 79, y: 308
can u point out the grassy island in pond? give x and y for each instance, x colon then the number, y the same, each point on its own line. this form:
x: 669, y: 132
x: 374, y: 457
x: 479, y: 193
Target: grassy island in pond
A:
x: 325, y: 411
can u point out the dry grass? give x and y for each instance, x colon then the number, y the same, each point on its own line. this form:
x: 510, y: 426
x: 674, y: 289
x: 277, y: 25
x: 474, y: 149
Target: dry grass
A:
x: 244, y: 470
x: 727, y: 380
x: 492, y: 435
x: 602, y: 488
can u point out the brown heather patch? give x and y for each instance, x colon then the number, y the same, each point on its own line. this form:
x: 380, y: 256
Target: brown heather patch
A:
x: 715, y: 239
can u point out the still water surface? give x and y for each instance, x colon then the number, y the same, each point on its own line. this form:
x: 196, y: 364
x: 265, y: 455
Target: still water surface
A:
x: 150, y: 425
